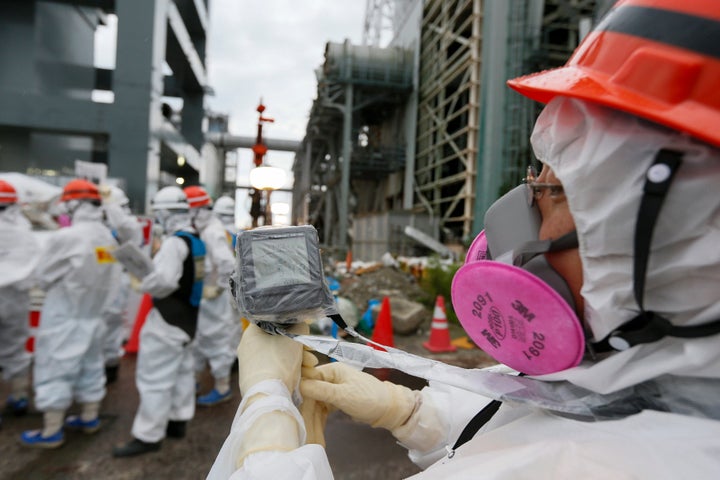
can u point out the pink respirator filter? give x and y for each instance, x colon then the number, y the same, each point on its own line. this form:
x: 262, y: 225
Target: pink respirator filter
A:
x: 478, y: 249
x: 516, y: 318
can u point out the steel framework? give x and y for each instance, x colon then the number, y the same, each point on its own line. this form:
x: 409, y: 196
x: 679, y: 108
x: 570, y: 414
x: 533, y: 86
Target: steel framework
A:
x: 448, y: 109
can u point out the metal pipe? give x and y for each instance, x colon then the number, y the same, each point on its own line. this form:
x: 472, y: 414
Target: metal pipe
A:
x: 229, y: 141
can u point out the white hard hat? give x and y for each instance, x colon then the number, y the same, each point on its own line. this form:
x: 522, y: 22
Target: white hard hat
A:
x: 224, y: 206
x: 170, y: 198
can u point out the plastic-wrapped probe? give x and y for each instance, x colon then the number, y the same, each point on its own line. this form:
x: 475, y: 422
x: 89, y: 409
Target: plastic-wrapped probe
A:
x: 686, y: 395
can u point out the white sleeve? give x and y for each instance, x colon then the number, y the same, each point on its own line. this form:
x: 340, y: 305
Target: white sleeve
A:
x: 168, y: 268
x: 220, y: 253
x: 307, y: 462
x: 127, y: 227
x: 20, y: 255
x: 56, y: 259
x: 436, y: 424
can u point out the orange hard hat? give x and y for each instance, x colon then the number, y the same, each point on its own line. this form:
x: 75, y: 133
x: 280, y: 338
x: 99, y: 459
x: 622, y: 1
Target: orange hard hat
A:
x: 80, y: 190
x: 197, y: 196
x: 8, y: 195
x: 657, y: 59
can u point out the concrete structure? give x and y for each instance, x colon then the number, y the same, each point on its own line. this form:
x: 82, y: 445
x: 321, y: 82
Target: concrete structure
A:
x: 48, y: 81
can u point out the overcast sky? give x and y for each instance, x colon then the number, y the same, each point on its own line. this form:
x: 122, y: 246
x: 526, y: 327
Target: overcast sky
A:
x: 270, y: 49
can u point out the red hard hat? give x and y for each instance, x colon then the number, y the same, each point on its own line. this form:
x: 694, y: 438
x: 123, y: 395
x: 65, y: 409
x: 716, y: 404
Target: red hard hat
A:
x: 80, y: 190
x: 657, y: 59
x: 197, y: 196
x: 8, y: 195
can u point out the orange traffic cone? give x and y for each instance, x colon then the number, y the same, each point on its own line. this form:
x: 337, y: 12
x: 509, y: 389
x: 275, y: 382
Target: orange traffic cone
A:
x: 348, y: 261
x: 133, y: 342
x: 383, y: 331
x: 439, y: 334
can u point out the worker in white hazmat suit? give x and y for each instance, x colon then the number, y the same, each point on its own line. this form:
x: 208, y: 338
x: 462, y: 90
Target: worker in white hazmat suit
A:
x: 75, y: 271
x: 18, y: 258
x: 125, y: 228
x: 627, y: 228
x: 224, y: 210
x: 218, y: 325
x: 164, y: 374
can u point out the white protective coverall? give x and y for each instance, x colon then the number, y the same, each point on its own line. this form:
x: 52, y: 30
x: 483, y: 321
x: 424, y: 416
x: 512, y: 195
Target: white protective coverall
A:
x: 19, y: 255
x: 219, y: 327
x: 125, y: 228
x: 75, y: 271
x: 601, y: 157
x: 164, y: 374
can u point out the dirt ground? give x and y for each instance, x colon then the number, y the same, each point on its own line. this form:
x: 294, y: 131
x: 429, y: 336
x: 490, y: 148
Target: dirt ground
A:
x: 385, y: 281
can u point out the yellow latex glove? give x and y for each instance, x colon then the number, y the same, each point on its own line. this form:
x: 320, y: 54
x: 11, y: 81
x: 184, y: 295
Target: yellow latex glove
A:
x: 362, y: 396
x: 135, y: 283
x: 314, y: 412
x: 211, y: 292
x: 105, y: 192
x: 262, y: 356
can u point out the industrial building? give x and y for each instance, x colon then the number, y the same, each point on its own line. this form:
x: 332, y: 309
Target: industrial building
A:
x: 431, y: 134
x: 413, y: 133
x: 143, y: 118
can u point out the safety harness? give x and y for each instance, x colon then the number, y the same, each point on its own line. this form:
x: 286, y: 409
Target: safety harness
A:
x: 181, y: 307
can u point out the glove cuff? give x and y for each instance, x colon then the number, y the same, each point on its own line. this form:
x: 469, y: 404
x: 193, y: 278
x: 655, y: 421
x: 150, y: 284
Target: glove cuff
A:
x: 268, y: 396
x: 271, y: 388
x: 403, y: 402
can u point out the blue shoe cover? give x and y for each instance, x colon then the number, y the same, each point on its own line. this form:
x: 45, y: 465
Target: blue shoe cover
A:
x: 76, y: 422
x: 213, y: 398
x: 34, y: 438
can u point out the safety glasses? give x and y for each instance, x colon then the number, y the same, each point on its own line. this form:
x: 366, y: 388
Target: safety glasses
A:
x: 536, y: 190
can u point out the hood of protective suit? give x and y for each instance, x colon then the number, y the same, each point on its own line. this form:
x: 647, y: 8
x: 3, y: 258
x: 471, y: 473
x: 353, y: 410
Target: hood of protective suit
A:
x: 19, y: 249
x: 12, y: 216
x: 228, y: 221
x: 86, y: 212
x: 174, y: 222
x: 601, y: 156
x: 201, y: 218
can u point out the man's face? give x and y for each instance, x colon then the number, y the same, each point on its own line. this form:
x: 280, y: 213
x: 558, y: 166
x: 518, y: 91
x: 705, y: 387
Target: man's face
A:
x: 557, y: 221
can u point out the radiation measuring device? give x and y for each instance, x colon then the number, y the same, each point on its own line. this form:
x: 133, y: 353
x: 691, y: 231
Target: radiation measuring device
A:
x: 279, y: 276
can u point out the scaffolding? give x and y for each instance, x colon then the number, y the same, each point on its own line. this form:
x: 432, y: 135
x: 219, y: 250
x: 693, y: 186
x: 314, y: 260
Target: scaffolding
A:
x: 448, y: 107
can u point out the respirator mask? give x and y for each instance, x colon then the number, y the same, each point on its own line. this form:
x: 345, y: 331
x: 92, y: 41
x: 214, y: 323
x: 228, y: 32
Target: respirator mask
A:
x: 201, y: 217
x: 170, y: 220
x: 509, y: 299
x: 65, y: 211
